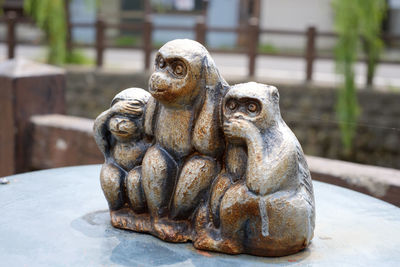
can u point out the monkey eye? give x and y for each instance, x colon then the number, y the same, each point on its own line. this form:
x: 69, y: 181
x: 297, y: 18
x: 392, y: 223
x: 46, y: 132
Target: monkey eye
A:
x: 252, y: 107
x: 161, y: 62
x: 179, y: 68
x: 232, y: 105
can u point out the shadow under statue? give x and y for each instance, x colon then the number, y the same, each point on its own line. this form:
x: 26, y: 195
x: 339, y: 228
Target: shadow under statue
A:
x: 199, y: 160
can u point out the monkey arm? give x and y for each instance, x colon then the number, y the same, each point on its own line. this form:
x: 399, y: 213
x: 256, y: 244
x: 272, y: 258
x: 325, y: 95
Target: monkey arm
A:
x: 207, y: 137
x: 100, y: 132
x: 150, y: 115
x: 266, y: 172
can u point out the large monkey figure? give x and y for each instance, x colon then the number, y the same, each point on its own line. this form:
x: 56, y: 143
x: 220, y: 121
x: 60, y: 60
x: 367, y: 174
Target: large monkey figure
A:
x: 184, y: 119
x: 270, y: 210
x: 119, y: 133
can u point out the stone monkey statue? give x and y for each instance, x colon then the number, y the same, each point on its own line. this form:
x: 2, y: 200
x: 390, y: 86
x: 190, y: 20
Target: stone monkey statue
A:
x: 196, y: 161
x: 119, y: 133
x: 183, y: 117
x: 270, y: 210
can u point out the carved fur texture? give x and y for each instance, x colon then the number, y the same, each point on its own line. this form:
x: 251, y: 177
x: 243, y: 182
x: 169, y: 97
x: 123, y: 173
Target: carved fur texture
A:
x: 202, y: 161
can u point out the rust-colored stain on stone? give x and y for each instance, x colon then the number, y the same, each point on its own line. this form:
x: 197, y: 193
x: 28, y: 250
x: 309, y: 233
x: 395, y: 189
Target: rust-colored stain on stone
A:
x: 199, y: 160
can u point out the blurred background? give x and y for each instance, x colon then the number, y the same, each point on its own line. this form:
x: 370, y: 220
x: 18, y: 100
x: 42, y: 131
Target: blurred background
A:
x: 336, y: 64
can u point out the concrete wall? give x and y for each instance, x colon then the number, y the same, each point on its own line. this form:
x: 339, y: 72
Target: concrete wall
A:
x: 296, y: 15
x: 60, y: 140
x: 309, y: 111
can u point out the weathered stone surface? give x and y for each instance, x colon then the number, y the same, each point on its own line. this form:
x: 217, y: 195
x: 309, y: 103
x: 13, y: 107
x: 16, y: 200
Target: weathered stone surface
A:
x: 59, y: 140
x: 26, y: 89
x: 203, y: 161
x: 119, y: 133
x: 380, y: 182
x: 72, y: 228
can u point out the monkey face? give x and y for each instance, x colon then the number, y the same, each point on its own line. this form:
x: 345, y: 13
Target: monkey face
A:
x: 128, y: 108
x: 253, y: 102
x: 178, y: 72
x: 127, y: 123
x: 124, y: 128
x: 173, y: 80
x: 241, y: 108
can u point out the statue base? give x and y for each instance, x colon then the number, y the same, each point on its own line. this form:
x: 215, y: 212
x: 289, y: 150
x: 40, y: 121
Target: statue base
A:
x: 71, y: 222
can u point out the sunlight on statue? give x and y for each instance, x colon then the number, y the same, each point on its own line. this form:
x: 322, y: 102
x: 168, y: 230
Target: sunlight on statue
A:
x: 198, y: 160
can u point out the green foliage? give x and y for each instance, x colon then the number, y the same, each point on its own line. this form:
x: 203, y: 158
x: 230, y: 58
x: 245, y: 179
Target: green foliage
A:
x: 268, y: 48
x: 373, y: 13
x: 78, y: 57
x: 160, y: 7
x: 355, y: 19
x: 50, y: 17
x: 1, y: 4
x: 127, y: 40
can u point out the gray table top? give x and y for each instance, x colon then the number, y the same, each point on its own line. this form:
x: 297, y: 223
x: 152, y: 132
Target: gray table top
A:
x: 59, y: 217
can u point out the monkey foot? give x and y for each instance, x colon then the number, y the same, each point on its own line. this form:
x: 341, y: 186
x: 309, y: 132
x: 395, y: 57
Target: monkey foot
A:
x: 172, y: 231
x: 206, y: 241
x: 201, y: 219
x: 126, y: 219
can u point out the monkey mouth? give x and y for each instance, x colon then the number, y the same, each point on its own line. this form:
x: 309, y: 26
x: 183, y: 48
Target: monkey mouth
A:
x: 157, y: 91
x: 120, y: 132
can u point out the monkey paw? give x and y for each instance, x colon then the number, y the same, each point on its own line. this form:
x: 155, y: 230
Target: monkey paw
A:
x: 171, y: 231
x: 238, y: 128
x: 204, y: 241
x: 128, y: 107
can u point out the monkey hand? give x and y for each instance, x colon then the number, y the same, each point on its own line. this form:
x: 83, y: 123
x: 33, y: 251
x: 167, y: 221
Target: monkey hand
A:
x: 238, y: 128
x: 128, y: 107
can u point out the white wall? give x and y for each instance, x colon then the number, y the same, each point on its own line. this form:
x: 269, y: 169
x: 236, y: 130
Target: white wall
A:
x: 221, y: 13
x: 296, y: 15
x: 394, y: 22
x: 83, y: 11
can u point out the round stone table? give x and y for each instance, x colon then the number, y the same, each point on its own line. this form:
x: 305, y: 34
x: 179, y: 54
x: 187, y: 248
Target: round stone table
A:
x: 59, y: 217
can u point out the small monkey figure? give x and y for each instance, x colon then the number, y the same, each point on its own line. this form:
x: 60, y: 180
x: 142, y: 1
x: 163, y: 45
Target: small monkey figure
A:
x: 120, y: 136
x: 268, y: 210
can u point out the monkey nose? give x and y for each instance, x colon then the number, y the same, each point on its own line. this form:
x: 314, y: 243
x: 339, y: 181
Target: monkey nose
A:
x: 238, y: 116
x: 118, y: 123
x: 158, y: 81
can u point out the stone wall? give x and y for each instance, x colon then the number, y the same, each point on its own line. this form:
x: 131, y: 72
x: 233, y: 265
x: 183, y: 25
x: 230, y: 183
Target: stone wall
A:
x: 308, y: 110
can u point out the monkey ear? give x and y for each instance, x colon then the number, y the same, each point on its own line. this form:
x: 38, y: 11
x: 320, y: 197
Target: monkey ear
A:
x: 275, y: 95
x: 211, y: 74
x: 114, y: 101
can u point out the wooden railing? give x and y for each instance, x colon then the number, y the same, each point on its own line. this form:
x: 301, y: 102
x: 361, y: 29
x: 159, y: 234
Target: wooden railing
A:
x: 146, y: 28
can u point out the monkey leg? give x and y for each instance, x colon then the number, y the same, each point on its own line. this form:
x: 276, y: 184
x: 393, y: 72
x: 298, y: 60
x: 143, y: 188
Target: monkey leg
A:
x: 159, y: 171
x: 284, y: 227
x: 237, y: 207
x: 111, y: 180
x: 219, y: 187
x: 196, y: 177
x: 134, y: 190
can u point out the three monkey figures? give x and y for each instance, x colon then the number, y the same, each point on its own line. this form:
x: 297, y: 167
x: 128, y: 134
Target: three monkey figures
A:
x: 198, y: 160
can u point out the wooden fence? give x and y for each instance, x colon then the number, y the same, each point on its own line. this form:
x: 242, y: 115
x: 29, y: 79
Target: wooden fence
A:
x: 146, y: 28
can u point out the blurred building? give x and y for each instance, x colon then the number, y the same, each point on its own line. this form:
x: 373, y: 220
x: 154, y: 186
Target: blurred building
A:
x: 163, y: 13
x: 298, y: 15
x: 394, y: 17
x: 272, y: 14
x: 295, y: 15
